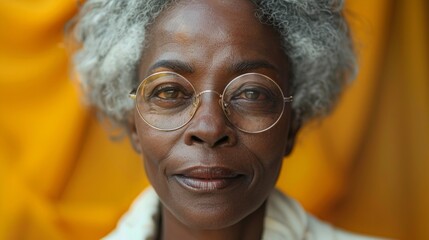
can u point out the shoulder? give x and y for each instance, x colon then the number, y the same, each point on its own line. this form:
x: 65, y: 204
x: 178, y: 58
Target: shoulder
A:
x: 286, y: 218
x: 321, y: 230
x: 140, y: 221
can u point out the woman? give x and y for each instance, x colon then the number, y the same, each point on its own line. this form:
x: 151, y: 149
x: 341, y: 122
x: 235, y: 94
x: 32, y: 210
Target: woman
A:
x: 212, y: 95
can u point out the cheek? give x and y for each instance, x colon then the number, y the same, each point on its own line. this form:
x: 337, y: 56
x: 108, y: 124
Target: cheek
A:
x: 155, y: 147
x: 269, y: 146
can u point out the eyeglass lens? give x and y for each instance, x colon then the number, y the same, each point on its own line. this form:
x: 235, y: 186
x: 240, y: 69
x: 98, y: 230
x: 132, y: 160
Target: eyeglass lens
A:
x: 251, y: 102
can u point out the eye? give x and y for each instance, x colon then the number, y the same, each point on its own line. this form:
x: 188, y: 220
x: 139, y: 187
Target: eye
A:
x: 169, y: 92
x: 252, y: 94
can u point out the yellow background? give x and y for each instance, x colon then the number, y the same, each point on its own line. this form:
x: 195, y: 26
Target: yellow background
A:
x: 365, y: 168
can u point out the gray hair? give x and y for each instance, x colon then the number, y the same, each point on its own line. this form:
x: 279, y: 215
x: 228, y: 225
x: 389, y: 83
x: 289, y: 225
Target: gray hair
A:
x: 315, y: 37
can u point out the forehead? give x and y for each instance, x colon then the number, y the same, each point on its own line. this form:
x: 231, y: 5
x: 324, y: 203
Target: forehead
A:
x: 212, y: 34
x: 195, y: 18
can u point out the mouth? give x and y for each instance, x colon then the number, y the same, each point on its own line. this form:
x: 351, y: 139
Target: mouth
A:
x: 208, y: 179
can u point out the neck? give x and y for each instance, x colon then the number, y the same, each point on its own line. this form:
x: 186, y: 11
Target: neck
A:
x: 250, y: 228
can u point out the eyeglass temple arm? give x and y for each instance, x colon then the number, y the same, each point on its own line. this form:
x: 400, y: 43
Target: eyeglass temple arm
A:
x: 132, y: 94
x: 286, y: 99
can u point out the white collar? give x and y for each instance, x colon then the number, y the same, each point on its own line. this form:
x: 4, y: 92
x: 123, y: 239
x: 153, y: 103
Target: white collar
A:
x: 284, y: 219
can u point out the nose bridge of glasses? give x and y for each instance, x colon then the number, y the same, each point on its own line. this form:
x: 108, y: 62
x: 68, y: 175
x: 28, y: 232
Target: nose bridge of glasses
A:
x: 198, y: 96
x: 209, y: 91
x: 213, y: 92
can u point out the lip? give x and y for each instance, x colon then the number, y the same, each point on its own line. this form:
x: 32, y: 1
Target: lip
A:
x: 208, y: 179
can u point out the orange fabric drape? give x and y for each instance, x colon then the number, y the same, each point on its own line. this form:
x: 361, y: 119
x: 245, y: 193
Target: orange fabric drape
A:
x: 363, y: 168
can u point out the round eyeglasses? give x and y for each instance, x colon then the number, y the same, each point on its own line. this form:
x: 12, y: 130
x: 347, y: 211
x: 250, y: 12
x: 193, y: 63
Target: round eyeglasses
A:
x: 252, y: 102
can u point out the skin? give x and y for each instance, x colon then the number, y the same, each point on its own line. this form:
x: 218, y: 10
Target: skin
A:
x: 210, y: 43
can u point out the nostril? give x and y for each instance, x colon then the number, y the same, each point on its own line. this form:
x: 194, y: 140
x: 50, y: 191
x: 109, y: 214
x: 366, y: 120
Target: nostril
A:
x: 196, y: 139
x: 222, y: 141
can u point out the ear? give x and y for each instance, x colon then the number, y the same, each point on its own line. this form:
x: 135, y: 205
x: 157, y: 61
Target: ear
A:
x: 294, y: 128
x: 132, y: 132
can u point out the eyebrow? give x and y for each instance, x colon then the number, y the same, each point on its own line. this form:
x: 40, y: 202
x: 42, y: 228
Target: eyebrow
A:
x: 249, y: 65
x: 175, y: 65
x: 240, y: 67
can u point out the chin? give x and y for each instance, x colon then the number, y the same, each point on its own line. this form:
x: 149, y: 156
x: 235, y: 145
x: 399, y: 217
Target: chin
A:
x: 214, y: 216
x: 211, y: 218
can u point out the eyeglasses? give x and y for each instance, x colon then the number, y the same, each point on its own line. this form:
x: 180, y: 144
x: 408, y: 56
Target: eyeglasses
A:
x: 252, y: 102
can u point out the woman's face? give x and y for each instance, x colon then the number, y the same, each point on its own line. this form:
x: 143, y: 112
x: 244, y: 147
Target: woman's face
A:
x: 208, y: 174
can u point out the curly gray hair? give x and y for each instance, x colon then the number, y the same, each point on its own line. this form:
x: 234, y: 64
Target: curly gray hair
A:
x: 315, y: 37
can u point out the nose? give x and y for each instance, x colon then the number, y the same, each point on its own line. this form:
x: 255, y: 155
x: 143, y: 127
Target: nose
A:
x: 209, y: 125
